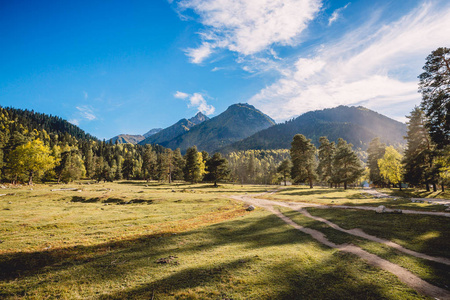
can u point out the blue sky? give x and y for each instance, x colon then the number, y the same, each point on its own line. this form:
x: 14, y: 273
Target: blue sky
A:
x: 116, y: 67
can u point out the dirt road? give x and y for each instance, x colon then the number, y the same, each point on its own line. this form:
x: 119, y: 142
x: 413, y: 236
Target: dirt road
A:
x: 403, y: 274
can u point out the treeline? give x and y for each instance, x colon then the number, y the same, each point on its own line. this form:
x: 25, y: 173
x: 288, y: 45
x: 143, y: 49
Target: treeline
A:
x: 426, y: 160
x: 38, y: 147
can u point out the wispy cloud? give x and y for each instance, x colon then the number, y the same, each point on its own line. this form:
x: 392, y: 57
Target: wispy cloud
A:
x: 196, y: 100
x: 86, y: 112
x: 371, y: 65
x: 336, y: 14
x: 248, y: 26
x: 180, y: 95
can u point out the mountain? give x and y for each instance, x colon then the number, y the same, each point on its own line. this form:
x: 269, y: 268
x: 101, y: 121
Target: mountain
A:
x: 171, y: 132
x: 133, y: 138
x: 356, y: 125
x: 127, y: 139
x: 152, y: 132
x: 237, y: 122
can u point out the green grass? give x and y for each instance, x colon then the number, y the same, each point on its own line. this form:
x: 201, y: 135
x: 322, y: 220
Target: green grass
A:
x: 417, y: 193
x: 425, y: 234
x: 71, y: 245
x: 350, y: 197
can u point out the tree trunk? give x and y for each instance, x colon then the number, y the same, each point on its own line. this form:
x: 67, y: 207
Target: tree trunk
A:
x: 345, y: 185
x: 400, y: 185
x: 215, y: 183
x: 442, y: 186
x: 434, y: 187
x: 427, y: 186
x: 310, y: 184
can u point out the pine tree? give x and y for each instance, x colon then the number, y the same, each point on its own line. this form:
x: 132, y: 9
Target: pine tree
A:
x: 375, y: 152
x: 192, y: 167
x: 217, y: 168
x: 346, y: 164
x: 435, y: 88
x: 178, y: 165
x: 285, y: 169
x: 418, y: 159
x: 303, y: 160
x: 325, y: 167
x: 149, y: 161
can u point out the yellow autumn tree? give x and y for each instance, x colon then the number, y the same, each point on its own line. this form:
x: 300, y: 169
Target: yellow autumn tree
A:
x: 391, y: 167
x: 31, y: 159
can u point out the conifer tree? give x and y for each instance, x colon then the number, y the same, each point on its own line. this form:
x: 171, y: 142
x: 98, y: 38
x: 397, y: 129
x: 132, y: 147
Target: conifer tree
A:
x: 285, y: 169
x: 192, y: 167
x: 346, y: 164
x: 178, y: 165
x: 149, y: 163
x: 217, y: 168
x: 418, y: 159
x: 325, y: 167
x: 303, y: 160
x: 375, y: 152
x: 435, y: 88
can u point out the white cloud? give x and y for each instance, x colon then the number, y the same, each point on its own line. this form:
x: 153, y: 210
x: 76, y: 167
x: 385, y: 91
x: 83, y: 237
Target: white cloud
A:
x: 376, y: 66
x: 196, y: 100
x: 180, y: 95
x: 249, y: 26
x: 86, y: 112
x: 336, y: 14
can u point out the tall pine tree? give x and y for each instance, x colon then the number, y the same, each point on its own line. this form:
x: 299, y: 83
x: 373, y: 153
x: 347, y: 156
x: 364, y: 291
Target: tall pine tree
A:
x: 303, y: 156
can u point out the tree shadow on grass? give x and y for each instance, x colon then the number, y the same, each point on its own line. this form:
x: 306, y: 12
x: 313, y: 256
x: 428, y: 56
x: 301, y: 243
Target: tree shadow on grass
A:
x: 113, y: 261
x: 307, y: 192
x: 109, y: 200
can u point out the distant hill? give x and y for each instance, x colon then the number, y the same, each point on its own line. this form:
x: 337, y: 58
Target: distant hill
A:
x: 237, y: 122
x: 133, y: 138
x: 357, y: 125
x: 51, y: 124
x: 171, y: 132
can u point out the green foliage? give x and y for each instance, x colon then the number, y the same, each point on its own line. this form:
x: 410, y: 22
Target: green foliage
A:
x: 435, y: 88
x: 217, y: 168
x: 303, y: 156
x: 256, y: 166
x: 418, y: 159
x: 375, y: 152
x: 194, y: 168
x: 326, y: 153
x: 285, y: 169
x: 390, y: 166
x: 346, y: 164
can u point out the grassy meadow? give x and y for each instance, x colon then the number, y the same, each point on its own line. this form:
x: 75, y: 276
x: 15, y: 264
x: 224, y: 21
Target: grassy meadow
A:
x: 138, y: 240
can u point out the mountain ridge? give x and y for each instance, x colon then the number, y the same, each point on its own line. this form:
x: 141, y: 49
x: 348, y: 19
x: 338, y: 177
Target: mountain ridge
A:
x: 237, y: 122
x: 357, y: 125
x: 171, y: 132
